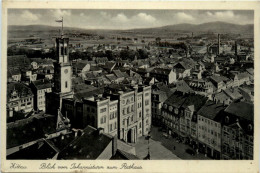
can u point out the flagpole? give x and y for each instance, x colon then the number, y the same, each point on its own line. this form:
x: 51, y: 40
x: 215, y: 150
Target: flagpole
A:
x: 62, y: 27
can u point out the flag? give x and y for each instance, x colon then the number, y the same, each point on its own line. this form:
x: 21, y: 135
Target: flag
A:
x: 59, y: 20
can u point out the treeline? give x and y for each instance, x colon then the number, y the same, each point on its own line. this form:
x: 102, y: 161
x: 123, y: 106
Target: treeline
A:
x: 30, y: 53
x: 180, y: 45
x: 126, y: 54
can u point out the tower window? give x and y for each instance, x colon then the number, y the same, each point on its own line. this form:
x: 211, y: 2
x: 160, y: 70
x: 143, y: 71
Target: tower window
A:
x: 66, y: 84
x: 65, y: 51
x: 62, y: 50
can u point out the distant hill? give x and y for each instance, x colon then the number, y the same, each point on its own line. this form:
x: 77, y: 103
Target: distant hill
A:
x: 216, y: 27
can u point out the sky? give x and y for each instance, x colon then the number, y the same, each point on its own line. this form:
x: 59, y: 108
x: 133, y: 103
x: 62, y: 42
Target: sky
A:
x: 125, y: 19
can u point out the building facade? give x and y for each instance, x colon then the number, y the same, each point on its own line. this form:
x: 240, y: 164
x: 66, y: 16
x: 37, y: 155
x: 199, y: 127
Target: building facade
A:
x: 19, y: 98
x: 62, y: 77
x: 39, y: 88
x: 134, y: 110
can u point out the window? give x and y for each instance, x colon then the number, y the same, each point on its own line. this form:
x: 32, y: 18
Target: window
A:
x: 140, y: 114
x: 115, y: 125
x: 65, y: 50
x: 140, y: 125
x: 103, y: 110
x: 146, y: 94
x: 132, y: 118
x: 62, y: 50
x: 146, y: 102
x: 111, y: 127
x: 147, y: 122
x: 66, y: 84
x: 93, y: 110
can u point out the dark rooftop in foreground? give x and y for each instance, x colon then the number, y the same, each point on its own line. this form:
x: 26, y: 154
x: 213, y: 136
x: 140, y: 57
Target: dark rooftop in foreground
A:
x: 82, y: 150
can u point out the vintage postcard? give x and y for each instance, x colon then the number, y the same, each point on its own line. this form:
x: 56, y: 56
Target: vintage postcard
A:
x: 130, y: 87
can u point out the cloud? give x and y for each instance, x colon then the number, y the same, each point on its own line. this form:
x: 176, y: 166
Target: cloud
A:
x: 222, y: 15
x: 228, y: 14
x: 60, y: 13
x: 121, y: 18
x: 123, y: 21
x: 184, y: 16
x: 29, y: 16
x: 145, y: 17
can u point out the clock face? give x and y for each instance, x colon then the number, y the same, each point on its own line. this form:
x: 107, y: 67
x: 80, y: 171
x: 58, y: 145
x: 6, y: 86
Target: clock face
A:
x: 66, y: 71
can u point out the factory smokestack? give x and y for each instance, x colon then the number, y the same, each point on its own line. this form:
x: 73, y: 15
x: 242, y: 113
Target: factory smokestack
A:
x: 236, y: 48
x: 218, y: 44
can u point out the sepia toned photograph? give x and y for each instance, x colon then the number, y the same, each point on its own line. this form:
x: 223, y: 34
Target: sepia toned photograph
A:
x: 89, y: 84
x: 130, y: 87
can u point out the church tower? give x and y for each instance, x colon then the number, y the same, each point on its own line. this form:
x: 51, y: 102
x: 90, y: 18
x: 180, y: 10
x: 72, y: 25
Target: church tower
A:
x: 62, y: 68
x: 62, y: 82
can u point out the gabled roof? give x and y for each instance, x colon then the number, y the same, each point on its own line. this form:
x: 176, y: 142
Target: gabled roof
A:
x: 241, y: 109
x: 109, y: 66
x: 176, y: 99
x: 219, y: 79
x: 111, y: 77
x: 30, y: 129
x: 212, y: 110
x: 183, y: 87
x: 79, y: 65
x: 120, y: 74
x: 194, y: 100
x: 42, y: 84
x: 41, y: 150
x: 89, y: 146
x: 250, y: 71
x: 162, y: 71
x: 233, y: 93
x: 21, y: 89
x: 242, y: 75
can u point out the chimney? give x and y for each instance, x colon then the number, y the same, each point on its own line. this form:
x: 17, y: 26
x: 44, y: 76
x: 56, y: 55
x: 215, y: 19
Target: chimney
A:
x: 236, y: 48
x: 76, y: 133
x: 100, y: 130
x: 218, y: 44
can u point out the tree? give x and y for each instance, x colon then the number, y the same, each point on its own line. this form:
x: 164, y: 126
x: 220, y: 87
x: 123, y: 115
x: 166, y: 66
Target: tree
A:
x: 109, y: 55
x: 158, y: 40
x: 142, y: 54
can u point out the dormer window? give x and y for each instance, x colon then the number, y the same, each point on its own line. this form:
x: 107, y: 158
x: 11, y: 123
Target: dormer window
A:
x: 227, y: 119
x: 176, y: 111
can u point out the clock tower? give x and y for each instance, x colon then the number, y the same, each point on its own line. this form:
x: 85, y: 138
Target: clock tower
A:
x: 62, y: 68
x: 62, y: 76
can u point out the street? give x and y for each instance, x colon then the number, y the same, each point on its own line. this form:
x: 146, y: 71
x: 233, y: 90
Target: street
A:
x: 162, y: 148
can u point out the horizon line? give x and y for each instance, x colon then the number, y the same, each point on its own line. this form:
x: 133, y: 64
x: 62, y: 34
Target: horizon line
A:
x: 133, y: 28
